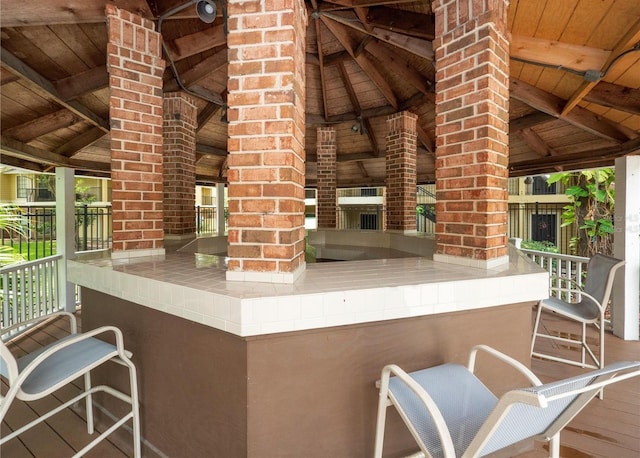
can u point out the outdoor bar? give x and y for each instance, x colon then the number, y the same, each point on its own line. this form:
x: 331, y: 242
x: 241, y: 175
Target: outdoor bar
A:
x: 245, y: 349
x: 256, y: 369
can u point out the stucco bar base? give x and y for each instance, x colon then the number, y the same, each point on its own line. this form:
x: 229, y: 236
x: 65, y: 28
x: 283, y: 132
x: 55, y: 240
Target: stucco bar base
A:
x: 207, y: 392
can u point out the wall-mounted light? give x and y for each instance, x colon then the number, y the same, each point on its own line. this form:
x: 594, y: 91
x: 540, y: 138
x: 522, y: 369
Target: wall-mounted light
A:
x: 206, y: 10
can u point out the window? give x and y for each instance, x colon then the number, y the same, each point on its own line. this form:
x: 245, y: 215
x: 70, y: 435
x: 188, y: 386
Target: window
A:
x: 23, y: 187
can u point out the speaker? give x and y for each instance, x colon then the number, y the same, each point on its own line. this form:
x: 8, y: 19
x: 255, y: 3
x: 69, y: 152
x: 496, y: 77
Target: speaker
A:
x: 206, y: 10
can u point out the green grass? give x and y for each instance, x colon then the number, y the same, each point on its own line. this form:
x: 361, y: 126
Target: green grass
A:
x: 28, y: 249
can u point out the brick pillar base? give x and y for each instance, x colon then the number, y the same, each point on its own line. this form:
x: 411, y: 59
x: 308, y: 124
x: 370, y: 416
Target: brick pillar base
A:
x: 134, y: 61
x: 401, y: 182
x: 326, y: 198
x: 179, y: 131
x: 472, y: 122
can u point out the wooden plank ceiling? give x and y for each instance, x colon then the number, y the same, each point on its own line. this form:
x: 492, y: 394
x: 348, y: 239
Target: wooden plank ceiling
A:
x: 575, y: 82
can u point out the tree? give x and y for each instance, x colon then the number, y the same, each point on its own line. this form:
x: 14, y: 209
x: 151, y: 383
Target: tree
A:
x: 590, y: 211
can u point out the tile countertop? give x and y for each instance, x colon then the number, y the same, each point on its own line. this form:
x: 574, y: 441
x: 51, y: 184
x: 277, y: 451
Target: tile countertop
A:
x: 194, y: 287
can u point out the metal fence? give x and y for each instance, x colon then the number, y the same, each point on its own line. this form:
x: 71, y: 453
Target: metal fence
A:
x: 92, y: 230
x: 540, y: 222
x: 368, y: 217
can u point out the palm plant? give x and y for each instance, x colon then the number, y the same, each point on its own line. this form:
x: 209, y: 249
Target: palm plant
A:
x: 12, y: 223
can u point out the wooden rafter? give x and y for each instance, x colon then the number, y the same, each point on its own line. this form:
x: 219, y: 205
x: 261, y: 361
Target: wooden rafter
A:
x: 79, y: 142
x: 426, y: 139
x: 630, y: 38
x: 580, y: 160
x: 363, y: 169
x: 417, y: 46
x: 46, y: 89
x: 198, y: 42
x: 82, y: 83
x: 615, y: 96
x: 323, y: 78
x: 552, y: 105
x: 399, y: 65
x: 17, y: 13
x: 556, y: 53
x: 42, y: 125
x: 530, y: 120
x: 26, y: 152
x: 536, y: 143
x: 198, y: 71
x: 362, y: 60
x: 407, y: 22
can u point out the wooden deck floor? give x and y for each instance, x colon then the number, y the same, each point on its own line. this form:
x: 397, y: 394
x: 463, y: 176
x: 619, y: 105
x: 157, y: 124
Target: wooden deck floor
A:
x: 607, y: 428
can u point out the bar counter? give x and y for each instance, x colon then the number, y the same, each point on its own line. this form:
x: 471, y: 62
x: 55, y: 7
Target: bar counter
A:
x: 268, y: 369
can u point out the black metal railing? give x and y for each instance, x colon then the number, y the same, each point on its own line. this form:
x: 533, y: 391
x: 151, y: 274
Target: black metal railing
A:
x: 367, y: 217
x: 540, y: 222
x: 38, y: 240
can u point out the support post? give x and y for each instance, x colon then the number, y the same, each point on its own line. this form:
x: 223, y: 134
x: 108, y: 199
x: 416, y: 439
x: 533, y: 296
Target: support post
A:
x: 626, y: 245
x: 65, y: 234
x: 220, y: 219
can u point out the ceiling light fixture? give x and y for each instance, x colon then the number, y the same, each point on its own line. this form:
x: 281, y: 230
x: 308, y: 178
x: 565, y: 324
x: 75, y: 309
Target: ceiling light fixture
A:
x: 206, y: 10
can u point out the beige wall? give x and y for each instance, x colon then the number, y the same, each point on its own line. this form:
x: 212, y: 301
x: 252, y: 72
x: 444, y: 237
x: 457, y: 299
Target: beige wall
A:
x: 7, y: 188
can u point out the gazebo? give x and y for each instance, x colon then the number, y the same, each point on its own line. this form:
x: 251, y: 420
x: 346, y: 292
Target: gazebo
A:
x: 267, y: 98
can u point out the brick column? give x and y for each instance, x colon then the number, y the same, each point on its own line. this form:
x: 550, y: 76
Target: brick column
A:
x: 472, y: 121
x: 134, y: 61
x: 400, y: 178
x: 266, y: 140
x: 179, y: 131
x: 326, y: 198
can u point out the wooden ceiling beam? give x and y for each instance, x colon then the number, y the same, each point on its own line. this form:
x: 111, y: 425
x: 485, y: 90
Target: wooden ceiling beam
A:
x: 580, y: 160
x: 83, y: 83
x: 406, y: 22
x: 361, y: 3
x: 198, y: 71
x: 363, y: 169
x: 628, y: 40
x: 11, y: 161
x: 362, y: 60
x: 321, y: 62
x: 552, y: 105
x: 21, y: 13
x: 27, y: 152
x: 42, y: 125
x: 417, y: 46
x: 536, y: 143
x: 399, y: 65
x: 529, y: 120
x: 615, y: 96
x: 7, y: 77
x: 425, y: 139
x: 210, y: 150
x: 336, y: 57
x: 556, y: 53
x: 206, y: 114
x: 195, y: 43
x: 79, y: 142
x: 46, y: 89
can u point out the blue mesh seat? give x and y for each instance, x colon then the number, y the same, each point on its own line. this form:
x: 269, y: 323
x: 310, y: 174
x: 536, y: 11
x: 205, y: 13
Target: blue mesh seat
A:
x: 584, y: 305
x: 451, y: 413
x: 40, y: 373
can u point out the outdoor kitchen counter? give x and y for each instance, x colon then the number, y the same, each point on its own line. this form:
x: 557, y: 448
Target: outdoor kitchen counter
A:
x: 193, y: 286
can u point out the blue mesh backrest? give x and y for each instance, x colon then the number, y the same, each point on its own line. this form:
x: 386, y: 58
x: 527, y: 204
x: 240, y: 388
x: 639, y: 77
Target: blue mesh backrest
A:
x: 524, y: 421
x: 598, y: 271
